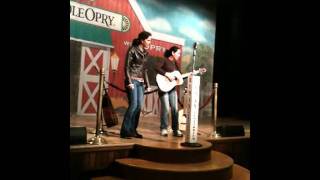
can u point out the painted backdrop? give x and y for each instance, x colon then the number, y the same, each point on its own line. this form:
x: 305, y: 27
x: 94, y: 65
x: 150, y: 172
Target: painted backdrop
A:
x: 106, y: 28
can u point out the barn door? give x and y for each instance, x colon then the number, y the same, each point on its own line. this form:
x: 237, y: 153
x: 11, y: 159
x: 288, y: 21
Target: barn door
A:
x: 92, y: 60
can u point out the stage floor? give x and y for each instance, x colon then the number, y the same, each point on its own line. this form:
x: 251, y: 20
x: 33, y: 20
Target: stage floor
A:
x: 149, y: 127
x: 101, y: 155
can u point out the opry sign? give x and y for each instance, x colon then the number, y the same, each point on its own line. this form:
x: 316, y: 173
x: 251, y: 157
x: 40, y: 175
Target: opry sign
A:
x: 95, y: 16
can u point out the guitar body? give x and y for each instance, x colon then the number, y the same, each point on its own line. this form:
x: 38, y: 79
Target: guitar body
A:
x: 165, y: 84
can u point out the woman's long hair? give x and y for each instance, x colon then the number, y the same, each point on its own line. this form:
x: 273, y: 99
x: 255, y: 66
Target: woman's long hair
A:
x: 142, y: 36
x: 168, y: 52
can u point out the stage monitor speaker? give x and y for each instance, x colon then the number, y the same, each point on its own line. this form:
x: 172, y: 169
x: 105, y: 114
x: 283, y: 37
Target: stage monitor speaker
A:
x: 78, y: 135
x: 230, y: 130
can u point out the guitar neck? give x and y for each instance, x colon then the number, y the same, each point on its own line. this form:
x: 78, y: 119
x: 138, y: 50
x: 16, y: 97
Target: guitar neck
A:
x: 187, y: 74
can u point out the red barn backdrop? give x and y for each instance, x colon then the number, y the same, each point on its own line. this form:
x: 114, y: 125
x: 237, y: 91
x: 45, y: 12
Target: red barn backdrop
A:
x: 96, y: 54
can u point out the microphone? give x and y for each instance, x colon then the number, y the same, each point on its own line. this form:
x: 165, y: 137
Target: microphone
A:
x: 195, y: 44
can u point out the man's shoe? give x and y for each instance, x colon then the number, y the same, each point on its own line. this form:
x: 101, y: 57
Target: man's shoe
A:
x: 164, y: 132
x: 177, y: 133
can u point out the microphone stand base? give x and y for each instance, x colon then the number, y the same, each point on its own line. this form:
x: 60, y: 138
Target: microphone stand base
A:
x: 187, y: 144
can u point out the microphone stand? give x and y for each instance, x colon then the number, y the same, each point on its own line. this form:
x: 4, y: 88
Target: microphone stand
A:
x: 192, y: 108
x: 194, y: 55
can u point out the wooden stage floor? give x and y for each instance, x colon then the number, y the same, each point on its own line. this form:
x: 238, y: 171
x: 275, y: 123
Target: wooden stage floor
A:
x: 149, y: 127
x: 87, y: 157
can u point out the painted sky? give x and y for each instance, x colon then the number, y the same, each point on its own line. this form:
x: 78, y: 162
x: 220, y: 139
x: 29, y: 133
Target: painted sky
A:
x: 181, y: 20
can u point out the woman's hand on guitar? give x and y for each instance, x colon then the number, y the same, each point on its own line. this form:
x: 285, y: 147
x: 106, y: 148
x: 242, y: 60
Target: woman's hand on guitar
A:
x: 202, y: 70
x: 170, y: 76
x: 179, y: 82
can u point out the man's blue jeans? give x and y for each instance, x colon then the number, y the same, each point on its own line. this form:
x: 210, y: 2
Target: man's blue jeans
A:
x: 131, y: 117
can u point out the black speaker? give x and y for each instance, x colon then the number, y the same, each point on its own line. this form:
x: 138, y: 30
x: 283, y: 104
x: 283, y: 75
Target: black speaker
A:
x: 230, y: 130
x: 78, y: 135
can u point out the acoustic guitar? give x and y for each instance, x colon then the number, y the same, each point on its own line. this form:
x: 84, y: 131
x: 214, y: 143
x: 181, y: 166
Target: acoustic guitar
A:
x: 166, y: 85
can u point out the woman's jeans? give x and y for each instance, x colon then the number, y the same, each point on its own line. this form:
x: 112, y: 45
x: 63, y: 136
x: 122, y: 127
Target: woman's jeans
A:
x: 168, y: 100
x: 132, y: 115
